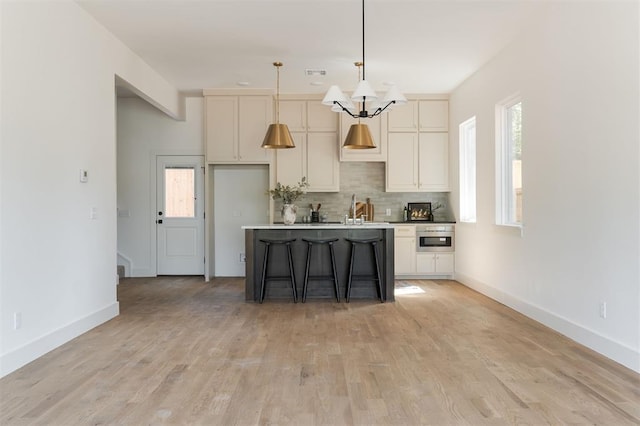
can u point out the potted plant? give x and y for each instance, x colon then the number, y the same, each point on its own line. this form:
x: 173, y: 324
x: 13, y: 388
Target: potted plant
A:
x: 289, y: 194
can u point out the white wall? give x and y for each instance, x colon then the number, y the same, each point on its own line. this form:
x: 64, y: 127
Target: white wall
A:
x: 57, y: 266
x: 578, y: 73
x: 143, y: 133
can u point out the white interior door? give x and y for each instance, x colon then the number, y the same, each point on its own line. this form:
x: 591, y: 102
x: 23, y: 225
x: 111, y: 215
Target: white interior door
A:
x: 180, y: 215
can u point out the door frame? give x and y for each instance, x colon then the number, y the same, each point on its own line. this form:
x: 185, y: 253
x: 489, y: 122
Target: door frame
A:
x: 153, y: 186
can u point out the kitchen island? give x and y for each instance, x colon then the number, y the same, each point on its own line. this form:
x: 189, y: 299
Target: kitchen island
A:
x: 320, y: 262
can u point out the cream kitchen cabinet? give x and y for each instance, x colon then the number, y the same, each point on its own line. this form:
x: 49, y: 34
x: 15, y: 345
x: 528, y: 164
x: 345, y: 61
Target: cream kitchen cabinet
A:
x: 402, y: 163
x: 433, y: 115
x: 302, y: 115
x: 418, y: 147
x: 316, y: 157
x: 235, y: 127
x: 403, y: 118
x: 315, y: 131
x: 440, y: 263
x: 417, y: 162
x: 378, y: 128
x: 433, y: 162
x: 404, y: 250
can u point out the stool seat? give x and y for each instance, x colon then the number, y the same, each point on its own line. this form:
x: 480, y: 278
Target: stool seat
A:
x: 333, y: 277
x: 265, y: 277
x: 375, y: 275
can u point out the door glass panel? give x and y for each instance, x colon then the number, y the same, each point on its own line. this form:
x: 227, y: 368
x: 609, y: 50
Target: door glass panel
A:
x: 179, y: 193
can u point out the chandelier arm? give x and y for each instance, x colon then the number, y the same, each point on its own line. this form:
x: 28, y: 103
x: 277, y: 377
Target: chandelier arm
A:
x: 381, y: 110
x: 344, y: 109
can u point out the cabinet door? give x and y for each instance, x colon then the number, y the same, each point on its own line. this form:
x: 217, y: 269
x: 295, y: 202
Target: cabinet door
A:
x: 323, y: 167
x: 255, y: 115
x: 434, y: 116
x: 434, y: 162
x: 320, y: 118
x: 378, y: 129
x: 425, y: 263
x: 402, y: 162
x: 221, y: 121
x: 404, y: 256
x: 294, y: 114
x: 403, y: 118
x: 444, y: 263
x: 290, y: 163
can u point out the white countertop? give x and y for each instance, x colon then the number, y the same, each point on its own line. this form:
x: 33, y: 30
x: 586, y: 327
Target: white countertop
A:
x: 366, y: 225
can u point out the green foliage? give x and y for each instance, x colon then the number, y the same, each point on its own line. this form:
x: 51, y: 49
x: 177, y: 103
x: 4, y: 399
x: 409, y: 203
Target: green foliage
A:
x: 289, y: 193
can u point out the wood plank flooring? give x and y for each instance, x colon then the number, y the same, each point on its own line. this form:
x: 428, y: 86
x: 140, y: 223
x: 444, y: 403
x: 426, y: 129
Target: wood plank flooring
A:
x: 188, y: 352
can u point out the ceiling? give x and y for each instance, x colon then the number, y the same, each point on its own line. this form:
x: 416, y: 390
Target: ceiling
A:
x: 424, y: 46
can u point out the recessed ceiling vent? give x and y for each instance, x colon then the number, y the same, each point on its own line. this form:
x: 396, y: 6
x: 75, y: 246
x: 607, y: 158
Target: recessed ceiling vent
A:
x: 311, y: 73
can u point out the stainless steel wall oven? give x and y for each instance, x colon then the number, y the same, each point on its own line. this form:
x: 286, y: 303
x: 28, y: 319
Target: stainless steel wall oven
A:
x: 435, y: 238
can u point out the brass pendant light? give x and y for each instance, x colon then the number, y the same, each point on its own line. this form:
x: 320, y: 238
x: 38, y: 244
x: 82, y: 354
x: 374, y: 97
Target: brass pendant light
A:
x: 278, y: 135
x: 359, y: 137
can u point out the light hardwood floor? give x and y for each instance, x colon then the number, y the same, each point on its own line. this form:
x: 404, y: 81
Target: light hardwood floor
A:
x: 188, y: 352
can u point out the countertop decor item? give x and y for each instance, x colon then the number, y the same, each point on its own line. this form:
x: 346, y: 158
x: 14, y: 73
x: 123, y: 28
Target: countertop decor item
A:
x: 289, y: 193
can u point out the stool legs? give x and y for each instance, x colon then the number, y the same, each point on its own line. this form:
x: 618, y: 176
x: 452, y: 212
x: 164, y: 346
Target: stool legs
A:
x: 351, y: 258
x: 293, y: 277
x: 376, y: 273
x: 265, y: 263
x: 375, y: 259
x: 264, y: 271
x: 334, y: 272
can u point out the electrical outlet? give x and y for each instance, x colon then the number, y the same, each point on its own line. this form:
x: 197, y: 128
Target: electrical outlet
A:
x: 17, y: 320
x: 388, y: 212
x: 243, y: 258
x: 603, y: 309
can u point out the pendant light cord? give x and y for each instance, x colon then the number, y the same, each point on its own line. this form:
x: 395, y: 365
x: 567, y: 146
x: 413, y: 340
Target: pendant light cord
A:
x: 363, y: 75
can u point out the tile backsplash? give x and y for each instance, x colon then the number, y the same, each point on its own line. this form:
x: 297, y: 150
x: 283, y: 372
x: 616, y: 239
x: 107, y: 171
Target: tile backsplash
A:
x: 366, y: 180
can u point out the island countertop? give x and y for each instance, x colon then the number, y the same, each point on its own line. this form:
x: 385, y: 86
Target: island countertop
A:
x: 328, y: 225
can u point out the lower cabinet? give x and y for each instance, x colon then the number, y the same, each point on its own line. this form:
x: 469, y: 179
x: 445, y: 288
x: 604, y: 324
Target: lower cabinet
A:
x: 404, y: 255
x: 408, y: 263
x: 434, y: 263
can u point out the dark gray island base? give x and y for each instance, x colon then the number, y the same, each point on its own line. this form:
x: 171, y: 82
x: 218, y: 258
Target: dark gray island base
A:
x: 320, y: 261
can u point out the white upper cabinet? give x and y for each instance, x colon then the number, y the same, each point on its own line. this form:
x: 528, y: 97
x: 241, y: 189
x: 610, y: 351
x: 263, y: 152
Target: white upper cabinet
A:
x: 403, y: 118
x: 418, y: 147
x: 315, y: 132
x: 433, y: 160
x: 320, y: 118
x: 434, y: 116
x: 294, y: 115
x: 235, y: 126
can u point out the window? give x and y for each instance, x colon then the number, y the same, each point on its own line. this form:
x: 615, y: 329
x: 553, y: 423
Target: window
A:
x: 468, y: 170
x: 180, y: 190
x: 509, y: 162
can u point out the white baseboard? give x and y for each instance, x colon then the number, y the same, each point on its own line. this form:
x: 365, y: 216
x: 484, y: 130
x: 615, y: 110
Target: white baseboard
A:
x: 23, y: 355
x: 616, y: 351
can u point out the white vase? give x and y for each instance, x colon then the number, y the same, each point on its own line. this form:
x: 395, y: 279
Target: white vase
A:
x: 289, y: 213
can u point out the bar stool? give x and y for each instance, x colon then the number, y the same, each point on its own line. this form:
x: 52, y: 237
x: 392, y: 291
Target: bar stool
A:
x: 265, y: 262
x: 334, y: 277
x: 375, y: 277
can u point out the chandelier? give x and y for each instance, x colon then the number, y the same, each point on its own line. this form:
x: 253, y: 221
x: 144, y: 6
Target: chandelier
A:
x: 363, y: 94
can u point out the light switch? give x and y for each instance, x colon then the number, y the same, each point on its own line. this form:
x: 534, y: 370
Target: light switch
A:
x: 84, y: 176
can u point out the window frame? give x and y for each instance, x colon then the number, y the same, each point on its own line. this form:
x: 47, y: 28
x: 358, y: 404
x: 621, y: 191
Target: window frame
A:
x: 505, y: 192
x: 468, y: 170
